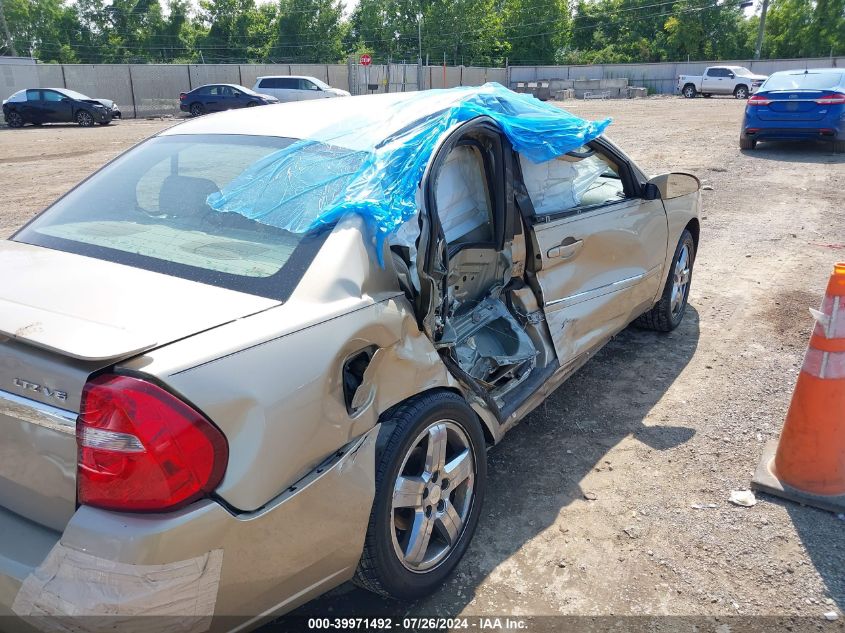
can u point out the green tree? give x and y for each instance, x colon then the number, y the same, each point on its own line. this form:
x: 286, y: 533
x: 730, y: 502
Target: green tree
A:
x: 827, y: 29
x: 224, y: 31
x: 309, y: 31
x: 709, y: 31
x: 536, y: 31
x: 788, y: 25
x: 469, y: 32
x: 46, y: 29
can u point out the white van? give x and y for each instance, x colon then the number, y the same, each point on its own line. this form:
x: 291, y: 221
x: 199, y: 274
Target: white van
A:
x: 296, y: 88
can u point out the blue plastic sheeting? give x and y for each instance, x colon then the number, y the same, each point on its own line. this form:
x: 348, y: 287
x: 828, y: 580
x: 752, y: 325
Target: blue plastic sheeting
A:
x: 372, y: 165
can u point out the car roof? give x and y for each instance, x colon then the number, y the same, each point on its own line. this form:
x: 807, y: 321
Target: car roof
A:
x: 286, y: 77
x: 809, y: 71
x: 360, y: 120
x: 221, y: 84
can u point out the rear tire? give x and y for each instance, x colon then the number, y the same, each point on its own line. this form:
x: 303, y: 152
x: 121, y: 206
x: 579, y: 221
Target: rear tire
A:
x: 689, y: 91
x: 747, y: 143
x: 413, y: 540
x: 668, y: 313
x: 85, y: 119
x: 197, y: 109
x: 741, y: 92
x: 14, y: 119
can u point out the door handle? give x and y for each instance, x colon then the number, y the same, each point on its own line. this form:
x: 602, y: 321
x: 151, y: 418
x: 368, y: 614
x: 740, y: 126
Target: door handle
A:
x: 567, y: 249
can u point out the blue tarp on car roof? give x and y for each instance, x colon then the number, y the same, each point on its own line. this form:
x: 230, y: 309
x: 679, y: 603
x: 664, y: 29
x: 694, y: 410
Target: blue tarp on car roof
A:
x: 373, y: 167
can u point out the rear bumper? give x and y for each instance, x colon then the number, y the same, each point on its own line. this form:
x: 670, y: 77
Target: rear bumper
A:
x: 793, y: 134
x: 829, y: 126
x: 184, y: 107
x: 199, y: 562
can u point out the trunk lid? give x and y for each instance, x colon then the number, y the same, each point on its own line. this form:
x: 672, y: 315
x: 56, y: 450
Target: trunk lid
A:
x: 90, y: 309
x: 62, y: 317
x: 793, y: 105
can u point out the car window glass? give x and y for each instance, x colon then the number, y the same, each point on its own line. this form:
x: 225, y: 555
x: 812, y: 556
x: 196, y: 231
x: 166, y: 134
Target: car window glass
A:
x: 569, y: 182
x: 33, y: 95
x: 804, y: 81
x: 19, y: 96
x: 226, y: 91
x: 149, y: 208
x: 278, y: 83
x: 308, y: 85
x: 463, y: 199
x: 52, y: 95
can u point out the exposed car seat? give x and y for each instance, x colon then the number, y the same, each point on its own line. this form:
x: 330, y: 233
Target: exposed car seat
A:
x: 463, y: 203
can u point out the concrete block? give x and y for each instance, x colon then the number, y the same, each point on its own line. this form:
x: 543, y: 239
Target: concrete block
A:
x: 587, y: 84
x: 622, y: 82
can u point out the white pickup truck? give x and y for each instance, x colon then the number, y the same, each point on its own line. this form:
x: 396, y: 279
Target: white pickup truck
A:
x: 721, y: 80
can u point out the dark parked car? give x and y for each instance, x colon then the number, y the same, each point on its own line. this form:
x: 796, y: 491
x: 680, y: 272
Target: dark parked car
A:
x: 55, y: 105
x: 797, y: 105
x: 217, y: 97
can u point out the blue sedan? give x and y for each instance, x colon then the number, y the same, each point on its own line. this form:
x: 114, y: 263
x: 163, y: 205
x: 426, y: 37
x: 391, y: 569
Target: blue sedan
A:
x: 797, y: 105
x: 217, y: 97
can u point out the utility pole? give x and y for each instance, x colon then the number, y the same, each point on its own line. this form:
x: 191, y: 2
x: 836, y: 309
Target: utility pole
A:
x: 9, y: 42
x: 761, y: 29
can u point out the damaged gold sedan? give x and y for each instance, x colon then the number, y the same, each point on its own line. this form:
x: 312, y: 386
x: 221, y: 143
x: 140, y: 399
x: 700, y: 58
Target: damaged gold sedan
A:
x: 264, y: 352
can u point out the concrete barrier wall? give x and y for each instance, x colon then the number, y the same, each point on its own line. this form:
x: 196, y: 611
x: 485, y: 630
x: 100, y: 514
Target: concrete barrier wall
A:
x: 661, y: 78
x: 153, y: 89
x: 107, y: 81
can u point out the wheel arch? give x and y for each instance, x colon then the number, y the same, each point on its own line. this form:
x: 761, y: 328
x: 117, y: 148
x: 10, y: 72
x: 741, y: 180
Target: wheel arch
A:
x: 694, y: 227
x: 387, y: 425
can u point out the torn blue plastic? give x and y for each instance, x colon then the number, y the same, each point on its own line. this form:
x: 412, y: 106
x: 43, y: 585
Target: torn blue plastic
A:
x: 372, y: 165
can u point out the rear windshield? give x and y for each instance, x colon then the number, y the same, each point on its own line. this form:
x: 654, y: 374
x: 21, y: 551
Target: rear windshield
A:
x: 150, y: 209
x: 803, y: 81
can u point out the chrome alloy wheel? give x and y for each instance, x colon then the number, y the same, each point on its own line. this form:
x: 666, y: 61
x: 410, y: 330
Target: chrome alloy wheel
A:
x: 680, y: 281
x: 432, y: 496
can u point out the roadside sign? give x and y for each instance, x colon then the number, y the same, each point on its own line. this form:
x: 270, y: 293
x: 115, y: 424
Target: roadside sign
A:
x: 366, y: 60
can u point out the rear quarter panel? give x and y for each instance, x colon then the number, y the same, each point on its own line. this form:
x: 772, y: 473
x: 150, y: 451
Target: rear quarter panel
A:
x: 273, y: 381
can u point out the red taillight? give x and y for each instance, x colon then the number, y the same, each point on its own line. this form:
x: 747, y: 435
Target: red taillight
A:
x: 833, y: 98
x: 758, y: 100
x: 142, y: 449
x: 182, y: 96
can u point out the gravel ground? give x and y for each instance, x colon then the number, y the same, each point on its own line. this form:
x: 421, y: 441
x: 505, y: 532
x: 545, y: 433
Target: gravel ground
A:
x: 599, y: 504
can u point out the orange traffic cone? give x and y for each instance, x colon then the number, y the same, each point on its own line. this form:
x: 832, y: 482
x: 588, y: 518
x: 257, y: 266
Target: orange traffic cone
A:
x: 808, y: 465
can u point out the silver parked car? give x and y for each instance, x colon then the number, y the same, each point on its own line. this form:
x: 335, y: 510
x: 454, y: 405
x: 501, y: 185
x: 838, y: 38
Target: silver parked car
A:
x: 211, y: 406
x: 296, y: 88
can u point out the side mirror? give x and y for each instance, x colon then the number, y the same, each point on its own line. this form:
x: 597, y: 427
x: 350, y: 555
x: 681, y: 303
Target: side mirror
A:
x: 65, y: 99
x: 673, y: 185
x: 731, y: 75
x: 650, y: 191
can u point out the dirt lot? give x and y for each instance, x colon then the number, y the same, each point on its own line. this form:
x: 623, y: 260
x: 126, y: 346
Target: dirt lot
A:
x: 654, y: 425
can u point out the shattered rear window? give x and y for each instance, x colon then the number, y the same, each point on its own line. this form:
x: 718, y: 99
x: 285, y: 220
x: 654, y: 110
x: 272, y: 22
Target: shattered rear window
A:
x: 151, y: 208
